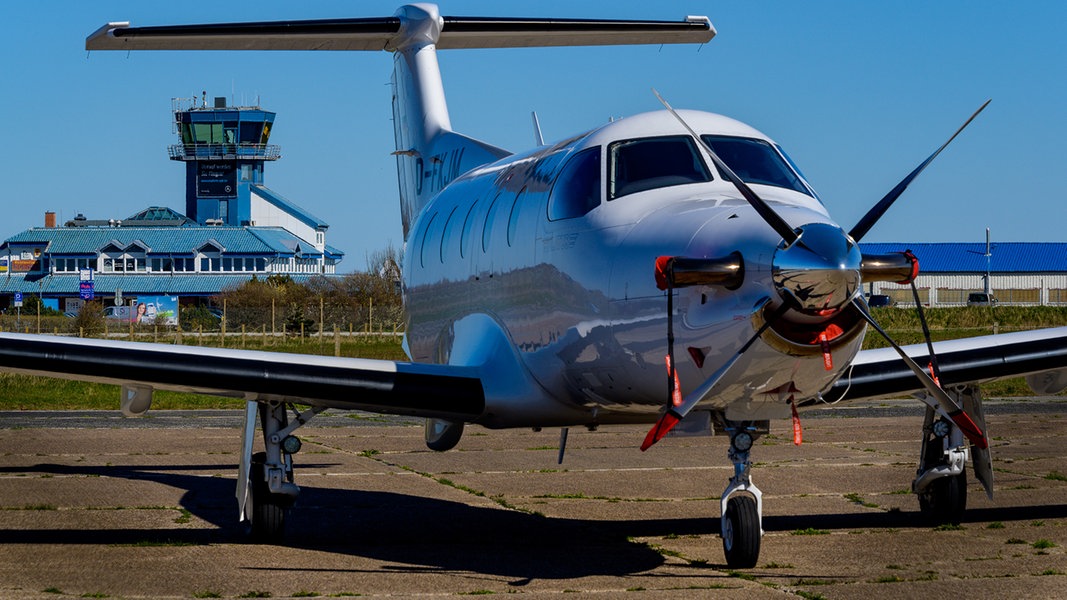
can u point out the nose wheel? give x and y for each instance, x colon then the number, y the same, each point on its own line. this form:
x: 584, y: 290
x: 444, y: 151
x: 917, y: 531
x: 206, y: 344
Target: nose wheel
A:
x: 742, y: 502
x: 741, y: 532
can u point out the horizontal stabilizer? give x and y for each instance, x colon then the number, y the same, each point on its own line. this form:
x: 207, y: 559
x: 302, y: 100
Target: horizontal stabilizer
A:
x: 385, y: 33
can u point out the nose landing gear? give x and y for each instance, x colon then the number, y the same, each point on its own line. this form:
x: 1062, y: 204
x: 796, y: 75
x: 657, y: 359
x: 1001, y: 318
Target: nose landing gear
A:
x: 742, y: 502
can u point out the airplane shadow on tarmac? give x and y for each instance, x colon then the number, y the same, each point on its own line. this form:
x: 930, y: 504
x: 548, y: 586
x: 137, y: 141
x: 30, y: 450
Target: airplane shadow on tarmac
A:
x: 417, y: 534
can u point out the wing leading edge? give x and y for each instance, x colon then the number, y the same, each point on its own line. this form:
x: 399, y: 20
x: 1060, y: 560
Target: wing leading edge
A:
x: 881, y: 373
x: 439, y: 391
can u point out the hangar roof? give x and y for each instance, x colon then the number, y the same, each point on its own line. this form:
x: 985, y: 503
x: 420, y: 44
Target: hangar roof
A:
x: 969, y: 257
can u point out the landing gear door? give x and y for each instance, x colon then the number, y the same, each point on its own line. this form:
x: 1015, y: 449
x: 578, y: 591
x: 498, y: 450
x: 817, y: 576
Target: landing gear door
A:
x: 981, y: 458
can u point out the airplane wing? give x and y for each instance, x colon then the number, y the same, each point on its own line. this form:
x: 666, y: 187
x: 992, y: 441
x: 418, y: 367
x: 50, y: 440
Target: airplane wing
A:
x: 380, y: 33
x: 439, y: 391
x: 881, y: 373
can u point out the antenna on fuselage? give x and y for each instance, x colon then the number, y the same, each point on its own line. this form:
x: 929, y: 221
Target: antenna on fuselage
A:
x: 538, y: 138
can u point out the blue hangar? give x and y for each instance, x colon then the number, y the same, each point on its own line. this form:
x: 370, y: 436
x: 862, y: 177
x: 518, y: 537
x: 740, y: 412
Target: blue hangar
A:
x: 233, y: 226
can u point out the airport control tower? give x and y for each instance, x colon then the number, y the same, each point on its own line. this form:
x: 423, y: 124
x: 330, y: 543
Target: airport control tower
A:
x: 223, y: 148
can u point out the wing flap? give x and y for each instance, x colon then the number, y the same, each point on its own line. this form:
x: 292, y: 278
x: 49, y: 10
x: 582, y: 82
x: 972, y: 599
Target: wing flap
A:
x: 440, y: 391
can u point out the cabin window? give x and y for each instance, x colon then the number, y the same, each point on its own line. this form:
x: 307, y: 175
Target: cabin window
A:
x: 650, y: 163
x: 756, y: 161
x: 425, y: 238
x: 577, y: 188
x: 468, y: 225
x: 487, y: 227
x: 448, y: 231
x: 513, y: 218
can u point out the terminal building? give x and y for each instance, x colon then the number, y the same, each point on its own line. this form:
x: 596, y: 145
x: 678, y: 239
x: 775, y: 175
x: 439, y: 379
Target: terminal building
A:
x: 233, y: 227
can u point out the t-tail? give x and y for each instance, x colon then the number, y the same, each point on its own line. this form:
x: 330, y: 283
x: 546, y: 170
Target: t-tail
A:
x: 429, y: 154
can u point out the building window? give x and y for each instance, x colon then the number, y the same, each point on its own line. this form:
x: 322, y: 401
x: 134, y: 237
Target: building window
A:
x: 124, y: 263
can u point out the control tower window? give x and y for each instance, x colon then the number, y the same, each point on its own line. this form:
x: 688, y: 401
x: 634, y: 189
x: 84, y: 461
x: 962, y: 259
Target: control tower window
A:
x: 250, y: 133
x: 650, y: 163
x: 577, y: 188
x: 208, y: 133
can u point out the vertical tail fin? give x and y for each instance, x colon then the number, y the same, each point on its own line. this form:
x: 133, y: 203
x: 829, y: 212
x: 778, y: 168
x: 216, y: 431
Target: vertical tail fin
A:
x: 429, y: 153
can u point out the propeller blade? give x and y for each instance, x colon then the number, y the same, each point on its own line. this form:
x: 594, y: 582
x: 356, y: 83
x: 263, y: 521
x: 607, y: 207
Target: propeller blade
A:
x: 947, y: 404
x: 674, y: 414
x: 864, y: 225
x: 765, y: 211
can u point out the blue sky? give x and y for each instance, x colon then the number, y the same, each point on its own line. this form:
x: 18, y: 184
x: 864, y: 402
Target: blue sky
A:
x: 857, y: 92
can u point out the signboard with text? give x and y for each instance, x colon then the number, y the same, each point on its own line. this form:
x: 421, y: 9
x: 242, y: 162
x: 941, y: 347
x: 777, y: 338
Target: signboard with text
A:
x: 216, y: 179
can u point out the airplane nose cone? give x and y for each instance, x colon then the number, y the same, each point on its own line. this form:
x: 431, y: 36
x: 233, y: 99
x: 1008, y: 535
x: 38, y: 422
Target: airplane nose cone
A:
x: 820, y: 270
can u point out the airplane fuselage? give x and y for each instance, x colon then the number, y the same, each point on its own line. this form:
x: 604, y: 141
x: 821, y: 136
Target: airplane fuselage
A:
x: 566, y: 277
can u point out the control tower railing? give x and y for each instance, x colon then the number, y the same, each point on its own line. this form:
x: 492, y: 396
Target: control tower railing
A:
x: 224, y: 151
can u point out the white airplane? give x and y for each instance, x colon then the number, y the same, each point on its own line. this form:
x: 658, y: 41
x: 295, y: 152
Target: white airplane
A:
x: 669, y: 268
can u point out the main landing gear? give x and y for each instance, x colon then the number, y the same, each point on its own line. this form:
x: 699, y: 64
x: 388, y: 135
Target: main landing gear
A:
x: 941, y: 479
x: 265, y: 488
x: 742, y: 502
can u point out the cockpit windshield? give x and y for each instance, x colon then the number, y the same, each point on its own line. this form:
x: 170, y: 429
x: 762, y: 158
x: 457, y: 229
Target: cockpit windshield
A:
x: 756, y: 161
x: 649, y: 163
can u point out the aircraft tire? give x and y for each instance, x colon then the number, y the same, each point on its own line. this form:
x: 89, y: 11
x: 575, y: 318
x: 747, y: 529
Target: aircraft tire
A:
x: 945, y: 500
x: 741, y: 533
x: 268, y: 512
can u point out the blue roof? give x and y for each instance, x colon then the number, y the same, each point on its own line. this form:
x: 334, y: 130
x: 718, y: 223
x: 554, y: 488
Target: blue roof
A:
x: 276, y: 237
x: 969, y: 257
x: 70, y: 241
x: 300, y: 214
x: 334, y: 253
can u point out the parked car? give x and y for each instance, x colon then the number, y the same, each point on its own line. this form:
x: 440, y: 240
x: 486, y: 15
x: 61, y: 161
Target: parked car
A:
x: 879, y: 300
x: 981, y: 299
x: 119, y: 313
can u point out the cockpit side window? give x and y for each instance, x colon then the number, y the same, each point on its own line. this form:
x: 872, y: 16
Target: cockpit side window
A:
x: 649, y: 163
x: 756, y: 161
x: 577, y: 188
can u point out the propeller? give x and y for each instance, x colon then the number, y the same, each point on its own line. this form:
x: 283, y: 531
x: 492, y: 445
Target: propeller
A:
x: 817, y: 269
x: 864, y: 225
x: 948, y: 406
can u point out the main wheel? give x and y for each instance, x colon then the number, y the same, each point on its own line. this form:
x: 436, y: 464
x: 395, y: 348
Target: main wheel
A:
x: 945, y: 500
x: 741, y: 532
x: 268, y: 510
